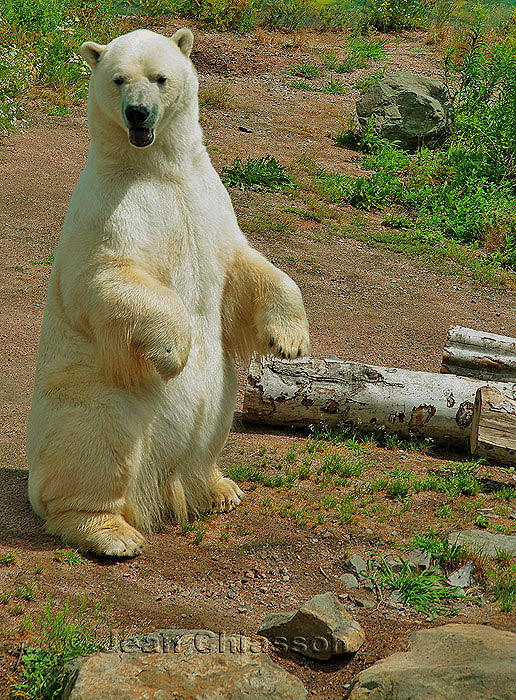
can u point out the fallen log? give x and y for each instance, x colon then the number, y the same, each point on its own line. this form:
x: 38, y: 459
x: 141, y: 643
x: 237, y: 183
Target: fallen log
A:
x: 493, y: 428
x: 472, y: 353
x: 308, y: 391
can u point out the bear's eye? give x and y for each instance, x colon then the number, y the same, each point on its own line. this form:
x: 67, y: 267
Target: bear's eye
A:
x: 119, y: 80
x: 161, y: 79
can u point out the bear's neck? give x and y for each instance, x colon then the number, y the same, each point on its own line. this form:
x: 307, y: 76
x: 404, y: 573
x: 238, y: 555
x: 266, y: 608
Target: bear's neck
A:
x: 175, y: 147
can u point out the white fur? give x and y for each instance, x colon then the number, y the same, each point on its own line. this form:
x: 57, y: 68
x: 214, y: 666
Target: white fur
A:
x: 153, y: 290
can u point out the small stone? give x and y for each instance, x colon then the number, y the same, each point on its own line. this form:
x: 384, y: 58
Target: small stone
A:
x: 420, y: 558
x: 396, y: 597
x: 320, y: 628
x: 349, y: 580
x: 463, y: 577
x: 355, y: 565
x: 395, y: 565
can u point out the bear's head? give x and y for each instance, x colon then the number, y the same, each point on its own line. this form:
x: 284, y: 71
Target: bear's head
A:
x: 140, y: 80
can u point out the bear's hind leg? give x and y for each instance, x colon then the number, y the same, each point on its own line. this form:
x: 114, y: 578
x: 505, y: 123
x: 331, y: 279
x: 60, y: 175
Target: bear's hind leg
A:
x: 87, y: 456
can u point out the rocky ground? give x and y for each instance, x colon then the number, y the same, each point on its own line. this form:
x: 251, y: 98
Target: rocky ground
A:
x: 290, y: 539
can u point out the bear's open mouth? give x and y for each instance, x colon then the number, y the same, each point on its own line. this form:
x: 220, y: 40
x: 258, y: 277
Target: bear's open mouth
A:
x: 141, y: 136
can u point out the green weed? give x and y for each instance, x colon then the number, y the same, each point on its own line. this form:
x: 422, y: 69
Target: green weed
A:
x: 363, y: 84
x: 72, y: 557
x: 257, y: 174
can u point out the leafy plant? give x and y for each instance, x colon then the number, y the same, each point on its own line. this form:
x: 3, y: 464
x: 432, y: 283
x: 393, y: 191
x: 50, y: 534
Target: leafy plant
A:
x: 257, y: 174
x: 62, y: 634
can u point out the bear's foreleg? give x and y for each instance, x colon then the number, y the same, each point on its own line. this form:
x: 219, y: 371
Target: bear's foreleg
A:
x: 138, y: 323
x: 263, y: 310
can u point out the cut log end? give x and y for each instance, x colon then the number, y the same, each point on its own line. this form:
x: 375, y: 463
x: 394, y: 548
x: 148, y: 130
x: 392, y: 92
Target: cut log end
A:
x: 493, y: 428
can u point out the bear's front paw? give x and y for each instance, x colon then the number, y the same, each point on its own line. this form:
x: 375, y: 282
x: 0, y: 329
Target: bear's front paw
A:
x: 169, y: 355
x: 287, y: 340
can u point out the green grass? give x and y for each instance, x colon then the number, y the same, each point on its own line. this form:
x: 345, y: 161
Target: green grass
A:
x: 444, y: 554
x: 215, y: 96
x: 334, y: 86
x: 301, y: 85
x: 27, y: 592
x: 363, y: 84
x: 9, y: 558
x: 257, y: 174
x: 305, y: 70
x: 71, y: 557
x: 61, y: 633
x: 427, y: 591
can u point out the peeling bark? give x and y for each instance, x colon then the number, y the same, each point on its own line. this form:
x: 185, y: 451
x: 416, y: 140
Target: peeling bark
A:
x: 472, y: 353
x: 308, y: 391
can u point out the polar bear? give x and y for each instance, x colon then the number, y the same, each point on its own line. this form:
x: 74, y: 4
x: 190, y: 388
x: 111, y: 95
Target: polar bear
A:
x: 154, y: 290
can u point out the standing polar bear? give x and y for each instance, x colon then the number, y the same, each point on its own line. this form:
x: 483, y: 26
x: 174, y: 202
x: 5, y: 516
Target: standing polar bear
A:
x: 153, y: 290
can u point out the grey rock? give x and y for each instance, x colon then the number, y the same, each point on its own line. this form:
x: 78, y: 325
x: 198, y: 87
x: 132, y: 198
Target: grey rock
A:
x: 407, y: 109
x: 320, y: 629
x: 463, y: 577
x: 484, y: 542
x: 200, y: 664
x: 355, y: 565
x: 420, y: 558
x: 349, y: 580
x: 396, y: 597
x: 395, y: 565
x: 451, y: 662
x: 365, y: 603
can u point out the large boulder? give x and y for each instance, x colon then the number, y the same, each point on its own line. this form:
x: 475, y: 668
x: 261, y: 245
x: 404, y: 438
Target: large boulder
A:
x: 484, y: 542
x: 175, y: 664
x: 452, y: 662
x: 407, y: 109
x: 320, y: 629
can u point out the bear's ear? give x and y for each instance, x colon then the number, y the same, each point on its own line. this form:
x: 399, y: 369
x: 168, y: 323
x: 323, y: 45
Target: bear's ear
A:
x: 92, y: 53
x: 184, y: 39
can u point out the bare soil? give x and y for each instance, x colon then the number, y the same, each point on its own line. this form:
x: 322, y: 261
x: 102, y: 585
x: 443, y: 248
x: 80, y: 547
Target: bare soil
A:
x: 364, y: 303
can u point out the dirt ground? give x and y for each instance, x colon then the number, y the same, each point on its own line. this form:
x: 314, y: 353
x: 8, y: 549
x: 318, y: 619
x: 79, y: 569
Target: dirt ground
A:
x: 363, y: 303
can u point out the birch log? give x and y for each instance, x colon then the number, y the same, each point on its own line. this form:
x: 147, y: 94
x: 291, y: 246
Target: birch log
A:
x: 493, y: 428
x: 471, y: 353
x: 308, y: 391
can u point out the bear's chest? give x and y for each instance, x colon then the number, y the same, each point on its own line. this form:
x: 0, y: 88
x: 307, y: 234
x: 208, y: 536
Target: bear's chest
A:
x: 173, y: 229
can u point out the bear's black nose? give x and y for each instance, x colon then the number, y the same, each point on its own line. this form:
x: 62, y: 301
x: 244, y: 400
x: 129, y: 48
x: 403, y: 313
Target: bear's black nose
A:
x: 136, y: 114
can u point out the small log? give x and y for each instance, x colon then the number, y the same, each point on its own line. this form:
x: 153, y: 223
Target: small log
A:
x: 493, y: 428
x: 472, y: 353
x: 308, y: 391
